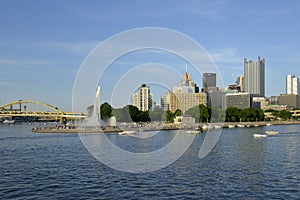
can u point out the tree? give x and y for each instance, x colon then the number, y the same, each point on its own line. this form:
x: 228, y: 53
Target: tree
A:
x: 285, y: 115
x: 204, y: 113
x: 217, y: 114
x: 156, y: 115
x: 106, y: 111
x: 134, y: 113
x: 233, y: 114
x: 177, y: 113
x: 169, y: 116
x: 194, y: 112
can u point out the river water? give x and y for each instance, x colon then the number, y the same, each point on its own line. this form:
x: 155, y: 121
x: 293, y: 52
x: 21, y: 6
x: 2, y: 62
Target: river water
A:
x: 58, y: 166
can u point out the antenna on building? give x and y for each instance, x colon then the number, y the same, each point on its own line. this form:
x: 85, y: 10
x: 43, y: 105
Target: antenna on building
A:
x: 186, y: 67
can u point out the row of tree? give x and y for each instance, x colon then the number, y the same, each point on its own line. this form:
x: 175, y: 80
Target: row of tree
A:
x: 201, y: 113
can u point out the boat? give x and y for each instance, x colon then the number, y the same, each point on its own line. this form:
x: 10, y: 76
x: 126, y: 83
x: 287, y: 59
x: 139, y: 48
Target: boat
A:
x: 268, y: 124
x: 259, y: 135
x: 240, y: 125
x: 193, y: 131
x: 217, y: 126
x: 271, y: 132
x: 231, y: 126
x: 126, y: 132
x: 256, y: 125
x: 7, y: 121
x: 205, y: 127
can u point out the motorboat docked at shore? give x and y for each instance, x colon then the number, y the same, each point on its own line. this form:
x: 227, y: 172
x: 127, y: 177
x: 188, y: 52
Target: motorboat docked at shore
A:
x: 231, y: 126
x: 126, y: 132
x: 8, y: 121
x: 206, y: 127
x: 193, y: 131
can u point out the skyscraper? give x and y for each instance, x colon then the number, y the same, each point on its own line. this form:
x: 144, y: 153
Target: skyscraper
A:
x: 142, y: 99
x: 184, y: 96
x: 254, y: 77
x: 292, y: 84
x: 240, y: 82
x: 209, y: 80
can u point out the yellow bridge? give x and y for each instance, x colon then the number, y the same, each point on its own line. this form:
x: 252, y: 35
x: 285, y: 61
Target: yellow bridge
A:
x: 7, y: 111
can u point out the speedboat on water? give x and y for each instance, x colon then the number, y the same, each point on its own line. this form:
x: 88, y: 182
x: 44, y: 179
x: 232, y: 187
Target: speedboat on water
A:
x: 271, y: 132
x: 259, y: 135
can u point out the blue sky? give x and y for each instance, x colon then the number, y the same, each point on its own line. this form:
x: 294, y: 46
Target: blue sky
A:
x: 43, y: 43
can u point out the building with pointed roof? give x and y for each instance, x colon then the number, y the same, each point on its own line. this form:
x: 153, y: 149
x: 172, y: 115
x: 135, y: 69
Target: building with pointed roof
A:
x: 184, y: 96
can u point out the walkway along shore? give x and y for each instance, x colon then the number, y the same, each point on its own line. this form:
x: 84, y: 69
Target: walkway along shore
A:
x: 73, y: 129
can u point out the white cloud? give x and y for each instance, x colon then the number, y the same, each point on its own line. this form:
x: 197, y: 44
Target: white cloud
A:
x: 226, y: 56
x: 23, y: 62
x: 2, y: 83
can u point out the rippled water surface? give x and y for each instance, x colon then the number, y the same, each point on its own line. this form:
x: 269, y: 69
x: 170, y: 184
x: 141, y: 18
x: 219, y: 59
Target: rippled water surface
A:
x: 58, y: 166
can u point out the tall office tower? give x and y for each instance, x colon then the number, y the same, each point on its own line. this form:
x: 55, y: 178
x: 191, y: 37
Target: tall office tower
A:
x: 184, y: 96
x: 254, y: 77
x: 240, y: 82
x: 292, y: 84
x: 142, y: 99
x: 209, y: 80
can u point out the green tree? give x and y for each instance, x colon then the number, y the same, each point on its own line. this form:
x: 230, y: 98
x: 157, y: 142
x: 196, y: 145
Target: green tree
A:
x: 217, y: 114
x: 194, y: 112
x: 134, y: 113
x: 144, y: 116
x: 156, y: 115
x: 169, y: 116
x: 204, y: 113
x: 106, y: 111
x: 233, y: 114
x: 177, y: 113
x: 285, y: 115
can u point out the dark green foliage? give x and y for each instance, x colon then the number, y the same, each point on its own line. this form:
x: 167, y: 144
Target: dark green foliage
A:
x: 201, y: 113
x: 106, y: 111
x: 285, y: 115
x: 248, y: 114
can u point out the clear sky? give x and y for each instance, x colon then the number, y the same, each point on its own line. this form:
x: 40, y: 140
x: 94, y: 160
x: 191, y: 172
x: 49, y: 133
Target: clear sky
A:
x: 43, y: 43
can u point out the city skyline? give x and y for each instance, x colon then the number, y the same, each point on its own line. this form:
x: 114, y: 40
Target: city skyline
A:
x: 43, y: 44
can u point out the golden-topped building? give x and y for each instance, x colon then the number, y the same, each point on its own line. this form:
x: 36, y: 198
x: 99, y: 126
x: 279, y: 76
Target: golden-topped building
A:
x: 184, y: 96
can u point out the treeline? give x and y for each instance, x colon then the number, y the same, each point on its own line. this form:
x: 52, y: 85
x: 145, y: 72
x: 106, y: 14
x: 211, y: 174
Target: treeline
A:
x: 201, y: 113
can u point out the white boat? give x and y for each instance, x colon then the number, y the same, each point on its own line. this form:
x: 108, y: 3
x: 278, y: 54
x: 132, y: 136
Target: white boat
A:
x: 271, y: 132
x: 259, y: 135
x: 240, y: 125
x: 205, y: 127
x: 193, y: 131
x: 256, y: 125
x: 268, y: 124
x: 217, y: 126
x: 231, y: 126
x: 7, y: 121
x: 126, y: 132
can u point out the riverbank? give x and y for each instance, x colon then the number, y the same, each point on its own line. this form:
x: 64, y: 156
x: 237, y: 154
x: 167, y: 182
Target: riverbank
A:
x: 91, y: 129
x: 73, y: 129
x: 262, y: 123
